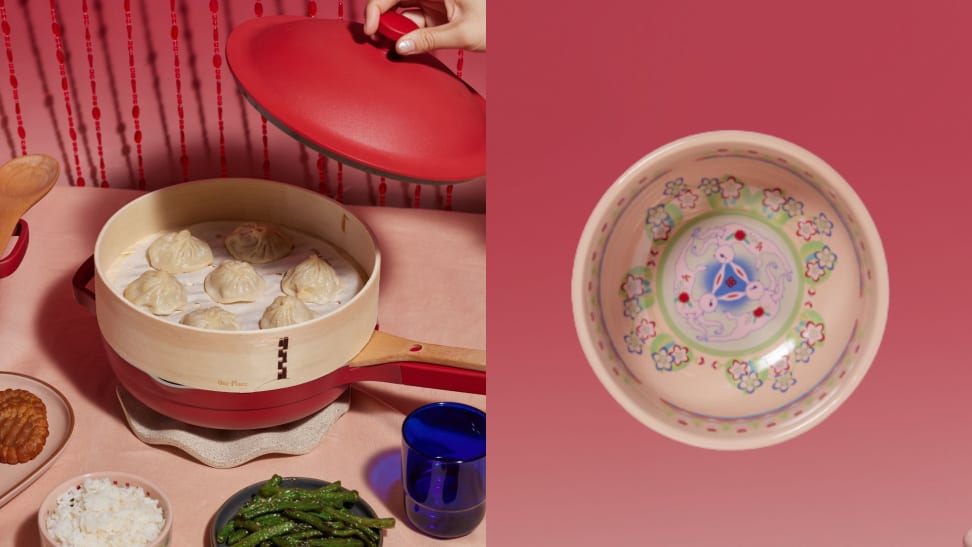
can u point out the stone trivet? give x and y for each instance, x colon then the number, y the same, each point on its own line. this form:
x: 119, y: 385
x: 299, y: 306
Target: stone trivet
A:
x: 229, y: 448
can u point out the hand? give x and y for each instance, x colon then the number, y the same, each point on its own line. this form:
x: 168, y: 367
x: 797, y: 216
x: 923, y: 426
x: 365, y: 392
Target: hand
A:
x: 442, y: 24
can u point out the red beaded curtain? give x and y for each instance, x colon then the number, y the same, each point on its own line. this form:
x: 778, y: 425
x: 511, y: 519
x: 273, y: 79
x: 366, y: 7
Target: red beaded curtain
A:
x: 137, y: 94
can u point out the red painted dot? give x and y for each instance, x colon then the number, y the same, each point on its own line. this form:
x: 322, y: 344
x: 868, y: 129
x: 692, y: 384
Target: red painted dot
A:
x: 415, y: 347
x: 174, y: 32
x: 758, y: 312
x: 683, y: 297
x: 740, y: 235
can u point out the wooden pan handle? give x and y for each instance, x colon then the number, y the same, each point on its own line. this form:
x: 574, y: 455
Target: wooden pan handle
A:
x: 386, y: 348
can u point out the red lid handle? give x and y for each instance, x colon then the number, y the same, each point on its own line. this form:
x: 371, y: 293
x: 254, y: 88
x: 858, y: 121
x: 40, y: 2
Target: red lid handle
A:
x: 394, y: 25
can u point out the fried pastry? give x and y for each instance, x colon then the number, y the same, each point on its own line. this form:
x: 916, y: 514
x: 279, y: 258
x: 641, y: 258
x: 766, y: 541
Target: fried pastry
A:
x: 23, y: 426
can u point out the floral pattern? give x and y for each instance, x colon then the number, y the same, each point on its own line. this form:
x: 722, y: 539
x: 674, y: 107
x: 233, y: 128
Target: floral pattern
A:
x: 773, y: 199
x: 807, y: 229
x: 710, y: 186
x: 646, y: 330
x: 659, y: 223
x: 793, y: 207
x: 819, y: 263
x: 824, y: 225
x: 812, y: 333
x: 783, y: 381
x: 731, y: 189
x: 670, y: 356
x: 819, y: 259
x: 634, y: 287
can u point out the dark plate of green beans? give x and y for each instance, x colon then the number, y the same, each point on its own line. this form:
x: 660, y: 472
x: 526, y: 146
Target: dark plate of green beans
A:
x: 297, y: 512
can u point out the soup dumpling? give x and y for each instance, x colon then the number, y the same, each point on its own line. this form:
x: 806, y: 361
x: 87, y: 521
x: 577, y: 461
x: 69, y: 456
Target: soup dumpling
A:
x: 234, y: 281
x: 214, y: 318
x: 258, y: 242
x: 179, y: 252
x: 159, y: 292
x: 313, y: 280
x: 286, y: 310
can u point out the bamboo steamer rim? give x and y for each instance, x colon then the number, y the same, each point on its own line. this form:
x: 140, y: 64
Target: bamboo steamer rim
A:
x: 347, y: 328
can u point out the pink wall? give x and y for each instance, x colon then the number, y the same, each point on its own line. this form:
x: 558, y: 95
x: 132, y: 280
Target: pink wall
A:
x: 59, y: 120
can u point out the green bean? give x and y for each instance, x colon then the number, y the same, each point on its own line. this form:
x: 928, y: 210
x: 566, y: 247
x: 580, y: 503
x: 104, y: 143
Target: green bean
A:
x: 237, y: 536
x: 256, y: 538
x: 367, y: 535
x: 225, y: 531
x: 350, y: 518
x: 273, y: 506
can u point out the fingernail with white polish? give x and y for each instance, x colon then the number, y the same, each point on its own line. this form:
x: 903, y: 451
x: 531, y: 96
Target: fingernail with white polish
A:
x: 405, y: 46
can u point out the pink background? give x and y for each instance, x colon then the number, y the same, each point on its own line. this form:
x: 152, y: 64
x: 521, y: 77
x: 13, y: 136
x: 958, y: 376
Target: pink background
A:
x: 880, y: 91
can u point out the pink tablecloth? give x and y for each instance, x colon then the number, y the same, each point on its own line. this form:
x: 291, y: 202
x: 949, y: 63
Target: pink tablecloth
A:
x: 433, y: 289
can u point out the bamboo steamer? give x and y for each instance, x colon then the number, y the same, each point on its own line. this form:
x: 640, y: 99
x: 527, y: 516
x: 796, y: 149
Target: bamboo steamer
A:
x: 236, y: 361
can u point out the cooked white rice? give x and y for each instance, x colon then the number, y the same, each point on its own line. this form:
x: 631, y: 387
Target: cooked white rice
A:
x: 99, y: 513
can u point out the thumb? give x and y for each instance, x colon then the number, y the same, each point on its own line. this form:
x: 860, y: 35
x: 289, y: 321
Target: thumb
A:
x: 447, y: 36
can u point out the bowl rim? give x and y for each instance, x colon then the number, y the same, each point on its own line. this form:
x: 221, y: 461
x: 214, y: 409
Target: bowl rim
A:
x: 879, y: 276
x: 156, y: 493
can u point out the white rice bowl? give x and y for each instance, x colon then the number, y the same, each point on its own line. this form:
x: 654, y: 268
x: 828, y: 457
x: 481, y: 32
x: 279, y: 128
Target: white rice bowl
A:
x: 105, y: 510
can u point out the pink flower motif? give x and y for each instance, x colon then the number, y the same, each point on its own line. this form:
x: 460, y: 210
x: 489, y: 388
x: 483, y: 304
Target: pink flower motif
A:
x: 633, y: 286
x: 814, y: 270
x: 782, y: 366
x: 807, y: 229
x: 738, y: 369
x: 646, y: 330
x: 812, y: 333
x: 773, y: 199
x: 687, y: 199
x: 731, y: 188
x: 679, y: 354
x: 660, y: 231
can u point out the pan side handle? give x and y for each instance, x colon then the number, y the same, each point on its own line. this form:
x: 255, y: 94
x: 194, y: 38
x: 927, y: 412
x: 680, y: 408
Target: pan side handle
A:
x: 387, y: 348
x: 416, y: 374
x: 82, y: 294
x: 10, y: 262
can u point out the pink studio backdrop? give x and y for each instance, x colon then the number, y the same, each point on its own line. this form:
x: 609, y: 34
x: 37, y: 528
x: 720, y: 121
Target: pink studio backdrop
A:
x: 882, y: 92
x: 115, y: 89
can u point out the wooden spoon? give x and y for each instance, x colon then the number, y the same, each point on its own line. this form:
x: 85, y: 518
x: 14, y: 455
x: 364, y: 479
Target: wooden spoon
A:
x: 23, y: 182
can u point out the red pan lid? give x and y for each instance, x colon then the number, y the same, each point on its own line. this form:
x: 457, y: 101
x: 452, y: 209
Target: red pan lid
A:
x: 323, y: 81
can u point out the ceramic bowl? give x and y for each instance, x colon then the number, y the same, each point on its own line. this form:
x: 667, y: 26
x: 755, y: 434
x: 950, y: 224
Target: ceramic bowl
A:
x: 730, y: 290
x: 119, y: 479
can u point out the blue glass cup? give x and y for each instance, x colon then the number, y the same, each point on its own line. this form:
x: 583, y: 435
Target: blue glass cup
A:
x: 444, y: 468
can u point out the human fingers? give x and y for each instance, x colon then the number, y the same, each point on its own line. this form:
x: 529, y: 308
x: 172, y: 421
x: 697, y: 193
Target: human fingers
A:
x: 456, y: 34
x: 373, y: 11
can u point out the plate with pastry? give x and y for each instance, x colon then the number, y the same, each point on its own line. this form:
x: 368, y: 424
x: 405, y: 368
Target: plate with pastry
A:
x: 36, y: 423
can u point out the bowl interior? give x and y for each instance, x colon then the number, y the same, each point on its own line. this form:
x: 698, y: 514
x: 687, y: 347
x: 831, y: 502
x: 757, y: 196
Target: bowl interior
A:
x: 118, y: 478
x: 730, y: 290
